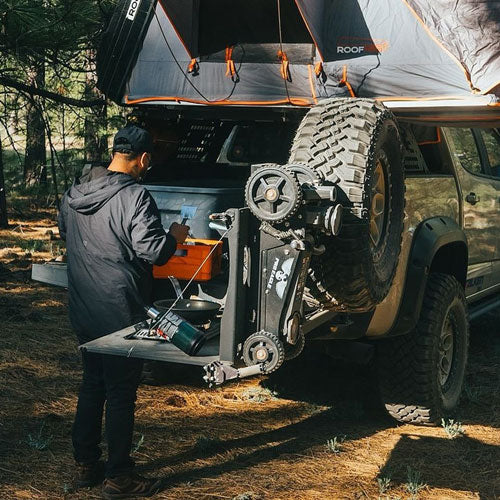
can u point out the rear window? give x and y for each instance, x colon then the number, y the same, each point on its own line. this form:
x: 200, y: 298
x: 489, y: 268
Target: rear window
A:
x: 491, y: 140
x: 464, y: 148
x: 477, y: 150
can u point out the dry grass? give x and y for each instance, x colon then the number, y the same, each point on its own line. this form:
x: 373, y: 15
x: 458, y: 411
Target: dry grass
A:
x: 242, y: 441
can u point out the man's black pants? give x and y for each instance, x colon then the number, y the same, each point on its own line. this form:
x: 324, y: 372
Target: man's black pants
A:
x: 114, y: 380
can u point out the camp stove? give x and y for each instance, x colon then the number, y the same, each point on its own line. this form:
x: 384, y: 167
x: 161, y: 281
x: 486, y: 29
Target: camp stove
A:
x: 143, y: 331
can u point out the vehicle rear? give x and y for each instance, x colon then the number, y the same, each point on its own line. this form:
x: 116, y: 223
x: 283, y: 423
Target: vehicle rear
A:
x: 286, y: 131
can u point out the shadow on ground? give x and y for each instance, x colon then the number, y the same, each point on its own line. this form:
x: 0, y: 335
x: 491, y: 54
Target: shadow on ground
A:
x: 318, y: 396
x: 475, y: 464
x: 345, y: 392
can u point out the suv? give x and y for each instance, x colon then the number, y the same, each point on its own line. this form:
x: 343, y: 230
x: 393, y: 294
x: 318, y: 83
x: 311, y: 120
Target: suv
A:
x: 341, y: 222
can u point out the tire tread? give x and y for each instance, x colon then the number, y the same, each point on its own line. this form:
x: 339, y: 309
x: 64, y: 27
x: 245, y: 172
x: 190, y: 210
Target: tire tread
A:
x: 406, y: 367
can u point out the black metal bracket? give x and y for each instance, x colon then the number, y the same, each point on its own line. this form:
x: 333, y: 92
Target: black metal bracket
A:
x: 282, y: 281
x: 216, y: 373
x: 234, y: 327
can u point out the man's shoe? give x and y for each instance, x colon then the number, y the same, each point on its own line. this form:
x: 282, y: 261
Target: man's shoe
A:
x: 89, y: 475
x: 129, y: 486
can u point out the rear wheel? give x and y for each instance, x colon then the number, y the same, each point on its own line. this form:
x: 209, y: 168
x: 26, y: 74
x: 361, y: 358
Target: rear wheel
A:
x: 421, y: 374
x: 355, y: 144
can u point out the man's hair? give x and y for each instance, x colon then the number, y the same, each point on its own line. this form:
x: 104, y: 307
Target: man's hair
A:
x: 127, y: 154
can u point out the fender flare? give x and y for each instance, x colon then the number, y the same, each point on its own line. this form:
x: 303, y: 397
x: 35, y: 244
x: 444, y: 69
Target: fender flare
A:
x: 430, y: 236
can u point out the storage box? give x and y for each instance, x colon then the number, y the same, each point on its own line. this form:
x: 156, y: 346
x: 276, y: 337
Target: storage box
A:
x: 188, y: 258
x: 208, y: 200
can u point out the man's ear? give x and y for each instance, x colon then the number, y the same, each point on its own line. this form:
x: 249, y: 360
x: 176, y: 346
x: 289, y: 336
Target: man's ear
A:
x: 143, y: 159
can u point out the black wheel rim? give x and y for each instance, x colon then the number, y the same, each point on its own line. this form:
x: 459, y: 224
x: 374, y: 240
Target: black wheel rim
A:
x: 379, y: 206
x: 446, y: 349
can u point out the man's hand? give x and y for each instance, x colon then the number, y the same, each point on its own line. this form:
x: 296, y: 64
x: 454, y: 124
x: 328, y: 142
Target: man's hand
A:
x: 179, y: 232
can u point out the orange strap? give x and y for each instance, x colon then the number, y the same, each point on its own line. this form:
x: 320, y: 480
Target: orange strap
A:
x: 285, y: 65
x: 193, y: 66
x: 346, y: 83
x: 230, y: 67
x: 318, y: 68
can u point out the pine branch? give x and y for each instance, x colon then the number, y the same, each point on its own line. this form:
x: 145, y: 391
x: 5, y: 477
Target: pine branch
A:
x: 53, y: 96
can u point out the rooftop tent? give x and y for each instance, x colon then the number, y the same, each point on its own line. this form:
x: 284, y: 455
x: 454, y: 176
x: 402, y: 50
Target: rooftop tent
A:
x: 299, y: 51
x: 408, y: 48
x: 470, y: 31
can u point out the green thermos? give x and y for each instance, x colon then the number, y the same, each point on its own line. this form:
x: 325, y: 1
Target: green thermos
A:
x: 181, y: 333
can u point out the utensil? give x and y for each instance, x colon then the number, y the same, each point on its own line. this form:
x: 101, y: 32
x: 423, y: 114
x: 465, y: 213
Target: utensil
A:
x: 187, y: 212
x: 176, y: 285
x: 193, y: 310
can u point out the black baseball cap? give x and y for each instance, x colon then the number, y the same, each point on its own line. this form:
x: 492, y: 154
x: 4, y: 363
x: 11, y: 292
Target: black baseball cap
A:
x: 133, y: 138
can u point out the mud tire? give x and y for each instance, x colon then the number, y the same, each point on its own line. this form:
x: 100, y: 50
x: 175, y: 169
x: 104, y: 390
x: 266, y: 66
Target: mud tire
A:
x: 344, y: 140
x: 409, y: 366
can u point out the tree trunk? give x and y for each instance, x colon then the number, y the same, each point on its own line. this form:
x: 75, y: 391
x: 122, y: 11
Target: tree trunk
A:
x: 35, y: 169
x: 95, y: 137
x: 4, y: 222
x: 54, y: 178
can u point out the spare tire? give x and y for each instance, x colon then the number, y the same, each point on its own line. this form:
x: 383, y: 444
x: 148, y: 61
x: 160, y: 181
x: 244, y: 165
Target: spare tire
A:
x: 355, y: 144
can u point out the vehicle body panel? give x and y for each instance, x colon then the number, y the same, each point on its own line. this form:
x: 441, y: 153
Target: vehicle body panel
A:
x: 480, y: 194
x: 421, y: 204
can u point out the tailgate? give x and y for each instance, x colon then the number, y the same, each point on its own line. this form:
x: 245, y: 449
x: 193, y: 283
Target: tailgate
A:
x: 120, y: 343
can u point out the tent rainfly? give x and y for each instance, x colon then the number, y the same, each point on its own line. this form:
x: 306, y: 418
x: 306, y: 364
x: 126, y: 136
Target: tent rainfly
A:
x: 296, y: 52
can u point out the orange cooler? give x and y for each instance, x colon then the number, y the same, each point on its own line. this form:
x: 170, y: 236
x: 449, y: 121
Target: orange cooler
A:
x: 188, y: 257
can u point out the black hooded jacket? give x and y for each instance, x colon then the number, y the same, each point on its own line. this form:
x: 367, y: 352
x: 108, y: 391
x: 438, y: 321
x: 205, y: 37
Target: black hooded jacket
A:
x: 113, y: 237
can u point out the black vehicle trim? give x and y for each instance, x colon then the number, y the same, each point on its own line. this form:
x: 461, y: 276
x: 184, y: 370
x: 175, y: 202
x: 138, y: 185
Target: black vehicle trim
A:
x: 426, y: 175
x: 431, y: 236
x: 484, y: 306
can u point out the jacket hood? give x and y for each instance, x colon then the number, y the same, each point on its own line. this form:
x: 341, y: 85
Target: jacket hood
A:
x: 93, y: 190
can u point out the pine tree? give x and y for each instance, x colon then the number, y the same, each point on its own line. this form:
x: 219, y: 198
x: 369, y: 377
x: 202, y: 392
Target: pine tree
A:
x: 4, y: 222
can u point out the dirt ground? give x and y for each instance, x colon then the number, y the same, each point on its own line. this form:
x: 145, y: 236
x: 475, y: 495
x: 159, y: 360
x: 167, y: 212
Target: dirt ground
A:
x: 311, y: 431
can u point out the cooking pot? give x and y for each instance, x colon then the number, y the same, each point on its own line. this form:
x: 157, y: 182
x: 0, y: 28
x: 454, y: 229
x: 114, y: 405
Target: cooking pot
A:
x: 195, y: 311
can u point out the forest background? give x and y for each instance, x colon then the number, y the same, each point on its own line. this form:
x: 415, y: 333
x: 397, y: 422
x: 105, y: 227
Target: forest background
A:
x: 53, y: 119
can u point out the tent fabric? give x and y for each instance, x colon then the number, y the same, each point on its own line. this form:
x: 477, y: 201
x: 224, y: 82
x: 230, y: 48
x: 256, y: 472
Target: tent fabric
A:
x: 470, y: 31
x: 415, y: 49
x: 387, y: 52
x: 161, y: 71
x: 236, y: 21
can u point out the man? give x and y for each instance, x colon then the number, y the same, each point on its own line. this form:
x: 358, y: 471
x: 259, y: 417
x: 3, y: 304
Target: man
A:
x: 113, y: 237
